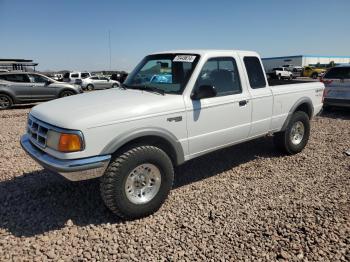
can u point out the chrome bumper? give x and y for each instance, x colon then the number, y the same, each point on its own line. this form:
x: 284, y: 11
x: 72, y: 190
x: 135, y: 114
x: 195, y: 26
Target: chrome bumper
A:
x: 72, y: 169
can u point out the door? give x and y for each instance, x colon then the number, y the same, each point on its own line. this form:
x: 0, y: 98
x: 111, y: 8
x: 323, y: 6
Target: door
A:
x: 20, y: 86
x: 105, y: 83
x: 41, y: 88
x: 221, y: 120
x: 261, y: 96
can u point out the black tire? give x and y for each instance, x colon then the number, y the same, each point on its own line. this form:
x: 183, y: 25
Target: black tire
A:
x: 279, y: 77
x: 6, y: 102
x: 291, y: 77
x: 115, y: 85
x: 314, y: 75
x: 113, y: 182
x: 90, y: 87
x: 283, y: 140
x: 66, y: 93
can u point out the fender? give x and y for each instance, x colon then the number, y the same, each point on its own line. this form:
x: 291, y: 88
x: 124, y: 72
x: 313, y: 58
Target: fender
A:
x: 126, y: 137
x: 303, y: 100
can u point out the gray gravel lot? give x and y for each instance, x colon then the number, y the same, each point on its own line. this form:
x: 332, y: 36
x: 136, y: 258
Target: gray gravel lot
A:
x: 247, y: 202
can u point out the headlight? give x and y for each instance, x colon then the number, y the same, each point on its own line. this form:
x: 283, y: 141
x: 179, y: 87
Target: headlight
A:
x: 64, y: 142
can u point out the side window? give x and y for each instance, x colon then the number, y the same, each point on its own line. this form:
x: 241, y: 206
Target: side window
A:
x: 222, y: 73
x: 37, y: 78
x: 74, y: 75
x: 255, y: 73
x: 94, y: 78
x: 85, y: 75
x: 20, y: 78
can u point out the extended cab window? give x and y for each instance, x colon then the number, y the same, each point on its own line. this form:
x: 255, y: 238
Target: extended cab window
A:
x: 255, y: 72
x: 221, y: 73
x: 74, y: 75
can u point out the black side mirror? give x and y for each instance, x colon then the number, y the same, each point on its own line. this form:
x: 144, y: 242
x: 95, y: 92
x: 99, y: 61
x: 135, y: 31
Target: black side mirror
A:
x: 204, y: 91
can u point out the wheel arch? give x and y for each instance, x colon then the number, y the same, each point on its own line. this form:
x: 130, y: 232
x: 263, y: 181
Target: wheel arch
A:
x: 66, y: 89
x: 151, y: 136
x: 12, y: 96
x: 304, y: 104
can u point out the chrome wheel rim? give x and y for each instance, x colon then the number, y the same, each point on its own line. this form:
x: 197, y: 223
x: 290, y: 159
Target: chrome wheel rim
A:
x: 143, y: 183
x: 4, y: 102
x: 297, y: 133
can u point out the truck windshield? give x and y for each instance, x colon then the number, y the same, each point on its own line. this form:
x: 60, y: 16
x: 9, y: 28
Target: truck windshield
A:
x: 168, y: 73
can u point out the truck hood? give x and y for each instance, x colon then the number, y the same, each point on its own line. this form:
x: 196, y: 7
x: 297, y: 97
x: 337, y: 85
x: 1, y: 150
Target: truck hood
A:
x: 105, y: 107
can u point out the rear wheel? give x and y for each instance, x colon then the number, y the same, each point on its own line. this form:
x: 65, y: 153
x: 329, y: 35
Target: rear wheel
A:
x: 90, y: 87
x: 5, y: 101
x: 296, y: 135
x: 115, y: 85
x: 279, y: 77
x: 67, y: 93
x: 137, y: 182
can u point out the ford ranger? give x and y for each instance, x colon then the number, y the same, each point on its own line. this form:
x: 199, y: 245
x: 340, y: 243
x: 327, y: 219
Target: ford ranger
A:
x: 133, y: 137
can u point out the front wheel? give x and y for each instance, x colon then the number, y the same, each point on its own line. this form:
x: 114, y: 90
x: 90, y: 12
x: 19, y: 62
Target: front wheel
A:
x: 296, y: 135
x: 137, y: 182
x: 314, y: 76
x: 5, y: 102
x: 67, y: 93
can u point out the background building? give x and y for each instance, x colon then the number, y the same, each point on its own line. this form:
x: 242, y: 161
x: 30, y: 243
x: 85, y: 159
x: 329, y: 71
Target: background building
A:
x: 17, y: 64
x: 303, y: 60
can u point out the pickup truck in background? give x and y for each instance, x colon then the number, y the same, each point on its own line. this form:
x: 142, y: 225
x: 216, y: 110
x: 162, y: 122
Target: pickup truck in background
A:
x: 310, y: 71
x: 281, y: 73
x: 132, y: 137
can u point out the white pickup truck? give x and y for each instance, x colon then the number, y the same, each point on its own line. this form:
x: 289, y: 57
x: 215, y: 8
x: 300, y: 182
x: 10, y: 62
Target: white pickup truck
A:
x: 281, y: 73
x: 132, y: 137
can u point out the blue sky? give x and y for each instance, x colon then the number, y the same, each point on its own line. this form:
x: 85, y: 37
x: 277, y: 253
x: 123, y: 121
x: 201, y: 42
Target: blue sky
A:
x: 74, y: 34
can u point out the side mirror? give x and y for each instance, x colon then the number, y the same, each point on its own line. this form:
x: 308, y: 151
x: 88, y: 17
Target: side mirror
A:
x: 204, y: 91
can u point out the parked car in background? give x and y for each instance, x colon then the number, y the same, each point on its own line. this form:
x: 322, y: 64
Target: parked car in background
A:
x: 58, y: 77
x: 98, y: 82
x: 310, y: 71
x: 337, y: 83
x: 17, y: 88
x: 75, y: 77
x: 281, y: 73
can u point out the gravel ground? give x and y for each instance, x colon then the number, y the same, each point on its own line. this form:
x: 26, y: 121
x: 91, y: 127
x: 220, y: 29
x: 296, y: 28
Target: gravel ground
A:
x: 247, y: 202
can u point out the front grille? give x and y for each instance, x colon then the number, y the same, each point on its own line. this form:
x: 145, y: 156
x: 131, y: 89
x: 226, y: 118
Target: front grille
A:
x: 37, y: 132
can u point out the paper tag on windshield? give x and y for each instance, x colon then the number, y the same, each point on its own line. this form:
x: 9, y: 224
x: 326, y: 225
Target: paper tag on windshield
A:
x: 184, y: 58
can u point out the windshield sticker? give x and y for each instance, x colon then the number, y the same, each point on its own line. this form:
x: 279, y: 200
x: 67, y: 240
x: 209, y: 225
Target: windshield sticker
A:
x: 184, y: 58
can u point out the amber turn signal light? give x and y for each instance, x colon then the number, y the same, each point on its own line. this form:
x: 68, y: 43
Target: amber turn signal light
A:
x: 70, y: 143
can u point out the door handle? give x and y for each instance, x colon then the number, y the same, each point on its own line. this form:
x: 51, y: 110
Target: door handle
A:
x: 243, y: 102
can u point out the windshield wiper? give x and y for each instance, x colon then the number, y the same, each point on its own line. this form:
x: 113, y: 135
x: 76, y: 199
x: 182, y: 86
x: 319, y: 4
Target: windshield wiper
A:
x: 149, y: 89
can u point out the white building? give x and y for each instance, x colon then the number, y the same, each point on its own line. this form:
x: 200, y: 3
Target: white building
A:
x: 303, y: 60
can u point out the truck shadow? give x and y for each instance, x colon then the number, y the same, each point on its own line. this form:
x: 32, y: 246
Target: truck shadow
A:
x: 38, y: 202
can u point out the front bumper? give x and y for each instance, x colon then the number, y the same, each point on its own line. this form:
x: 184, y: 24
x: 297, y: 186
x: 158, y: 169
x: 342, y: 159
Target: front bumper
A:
x: 72, y: 169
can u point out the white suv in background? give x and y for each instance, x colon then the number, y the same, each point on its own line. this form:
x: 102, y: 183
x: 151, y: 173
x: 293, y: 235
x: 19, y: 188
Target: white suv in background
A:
x: 75, y: 77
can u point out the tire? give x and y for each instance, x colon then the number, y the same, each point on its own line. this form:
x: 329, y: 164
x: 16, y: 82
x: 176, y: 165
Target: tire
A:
x: 6, y: 102
x: 279, y: 77
x: 314, y: 75
x: 90, y: 87
x: 120, y: 182
x: 286, y: 141
x: 291, y: 77
x: 115, y: 85
x: 67, y: 93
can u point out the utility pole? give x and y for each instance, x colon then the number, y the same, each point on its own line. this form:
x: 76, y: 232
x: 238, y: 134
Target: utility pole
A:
x: 110, y: 49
